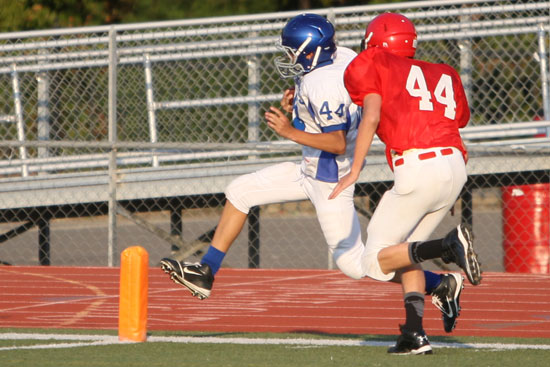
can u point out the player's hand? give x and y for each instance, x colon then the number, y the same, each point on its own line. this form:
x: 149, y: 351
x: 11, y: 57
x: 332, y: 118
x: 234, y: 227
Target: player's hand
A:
x: 278, y: 121
x: 343, y: 184
x: 288, y: 99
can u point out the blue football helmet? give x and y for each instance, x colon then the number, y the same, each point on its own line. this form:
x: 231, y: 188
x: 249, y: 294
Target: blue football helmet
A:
x: 303, y: 35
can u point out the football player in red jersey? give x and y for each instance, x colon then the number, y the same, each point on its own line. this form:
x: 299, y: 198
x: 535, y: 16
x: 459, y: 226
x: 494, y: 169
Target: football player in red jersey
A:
x: 416, y: 109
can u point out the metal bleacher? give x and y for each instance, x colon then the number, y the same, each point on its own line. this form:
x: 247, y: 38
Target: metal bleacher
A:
x: 496, y: 153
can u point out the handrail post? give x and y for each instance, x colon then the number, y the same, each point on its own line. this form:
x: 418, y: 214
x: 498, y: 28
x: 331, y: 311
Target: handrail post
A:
x: 465, y: 46
x: 150, y: 105
x: 544, y: 75
x: 19, y: 119
x: 43, y: 109
x: 112, y: 240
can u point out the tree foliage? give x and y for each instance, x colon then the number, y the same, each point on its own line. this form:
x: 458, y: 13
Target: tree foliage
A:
x: 19, y: 15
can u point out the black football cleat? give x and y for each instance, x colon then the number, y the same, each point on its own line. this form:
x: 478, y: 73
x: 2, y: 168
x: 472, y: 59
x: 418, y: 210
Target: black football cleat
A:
x: 411, y: 342
x: 446, y: 297
x: 458, y: 247
x: 196, y: 277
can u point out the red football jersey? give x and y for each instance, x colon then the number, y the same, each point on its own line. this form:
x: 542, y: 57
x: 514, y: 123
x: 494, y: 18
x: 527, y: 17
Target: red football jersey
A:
x: 423, y: 104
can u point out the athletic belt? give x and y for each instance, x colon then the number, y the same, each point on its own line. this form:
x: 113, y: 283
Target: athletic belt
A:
x: 422, y: 156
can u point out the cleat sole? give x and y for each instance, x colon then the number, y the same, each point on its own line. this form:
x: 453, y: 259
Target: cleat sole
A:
x: 176, y: 278
x: 472, y: 268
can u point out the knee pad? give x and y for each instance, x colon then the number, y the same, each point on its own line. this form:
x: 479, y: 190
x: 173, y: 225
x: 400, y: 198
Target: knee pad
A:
x: 235, y: 192
x: 349, y: 263
x: 372, y: 267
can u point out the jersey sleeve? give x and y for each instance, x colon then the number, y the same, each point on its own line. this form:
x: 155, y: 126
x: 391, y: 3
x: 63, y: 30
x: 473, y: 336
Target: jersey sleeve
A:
x: 462, y: 107
x: 361, y: 77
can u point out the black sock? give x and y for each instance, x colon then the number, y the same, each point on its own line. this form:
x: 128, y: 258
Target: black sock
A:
x: 414, y: 311
x: 421, y: 251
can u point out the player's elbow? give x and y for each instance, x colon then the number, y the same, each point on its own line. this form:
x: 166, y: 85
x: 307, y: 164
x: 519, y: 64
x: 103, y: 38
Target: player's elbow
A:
x: 338, y: 142
x: 339, y: 148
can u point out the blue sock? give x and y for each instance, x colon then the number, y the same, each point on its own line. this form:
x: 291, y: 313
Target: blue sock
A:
x: 432, y: 281
x: 213, y: 258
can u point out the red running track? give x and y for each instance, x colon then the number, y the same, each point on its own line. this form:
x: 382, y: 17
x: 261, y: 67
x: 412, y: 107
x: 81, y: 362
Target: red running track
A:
x: 244, y: 300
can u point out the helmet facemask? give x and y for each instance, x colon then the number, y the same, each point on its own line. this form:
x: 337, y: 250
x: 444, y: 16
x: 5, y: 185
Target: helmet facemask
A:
x: 365, y: 41
x: 288, y: 65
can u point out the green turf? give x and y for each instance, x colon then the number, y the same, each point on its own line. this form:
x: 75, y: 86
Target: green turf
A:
x: 220, y: 355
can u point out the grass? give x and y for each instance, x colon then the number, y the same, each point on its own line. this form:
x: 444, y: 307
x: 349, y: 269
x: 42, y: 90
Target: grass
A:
x: 151, y: 354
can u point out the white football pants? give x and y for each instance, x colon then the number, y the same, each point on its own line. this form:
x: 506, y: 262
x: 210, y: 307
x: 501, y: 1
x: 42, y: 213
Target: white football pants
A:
x: 423, y: 192
x: 285, y: 182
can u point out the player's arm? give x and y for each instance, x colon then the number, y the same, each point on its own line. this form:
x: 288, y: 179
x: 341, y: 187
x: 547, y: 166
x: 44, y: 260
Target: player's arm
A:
x: 331, y: 142
x: 463, y: 110
x: 365, y: 135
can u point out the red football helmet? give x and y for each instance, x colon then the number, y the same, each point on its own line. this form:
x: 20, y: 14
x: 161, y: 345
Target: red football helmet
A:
x: 393, y: 32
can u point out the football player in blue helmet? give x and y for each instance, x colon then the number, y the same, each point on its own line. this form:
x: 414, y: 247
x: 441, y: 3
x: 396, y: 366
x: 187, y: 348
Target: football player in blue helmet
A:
x: 308, y: 42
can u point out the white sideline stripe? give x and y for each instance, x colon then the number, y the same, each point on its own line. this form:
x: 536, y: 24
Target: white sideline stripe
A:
x: 94, y: 340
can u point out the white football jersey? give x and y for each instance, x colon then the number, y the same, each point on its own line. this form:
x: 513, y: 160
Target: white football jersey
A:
x: 322, y: 104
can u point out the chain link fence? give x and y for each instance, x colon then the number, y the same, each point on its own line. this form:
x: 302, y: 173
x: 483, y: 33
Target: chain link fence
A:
x: 127, y: 135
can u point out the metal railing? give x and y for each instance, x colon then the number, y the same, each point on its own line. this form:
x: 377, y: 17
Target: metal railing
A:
x: 182, y: 100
